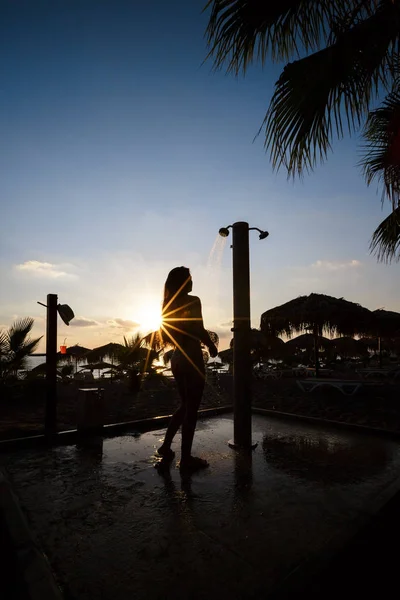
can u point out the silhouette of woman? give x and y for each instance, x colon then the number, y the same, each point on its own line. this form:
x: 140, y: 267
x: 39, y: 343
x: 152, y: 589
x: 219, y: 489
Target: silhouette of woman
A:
x: 183, y: 329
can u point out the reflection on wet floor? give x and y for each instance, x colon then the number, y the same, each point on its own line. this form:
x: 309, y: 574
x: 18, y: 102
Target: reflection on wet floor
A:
x: 115, y: 527
x: 328, y: 459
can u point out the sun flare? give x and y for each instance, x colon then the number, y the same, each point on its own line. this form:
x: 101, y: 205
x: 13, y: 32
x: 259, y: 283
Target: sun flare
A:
x: 149, y: 317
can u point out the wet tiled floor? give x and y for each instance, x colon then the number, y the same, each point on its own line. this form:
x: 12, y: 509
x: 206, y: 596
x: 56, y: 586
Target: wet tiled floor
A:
x: 114, y: 528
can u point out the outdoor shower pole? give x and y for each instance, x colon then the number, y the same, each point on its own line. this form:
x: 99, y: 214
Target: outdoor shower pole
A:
x: 241, y: 336
x: 51, y: 365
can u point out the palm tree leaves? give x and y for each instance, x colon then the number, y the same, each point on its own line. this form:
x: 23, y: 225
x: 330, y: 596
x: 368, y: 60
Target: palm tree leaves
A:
x: 349, y: 53
x: 315, y: 96
x: 385, y: 241
x: 240, y: 31
x: 16, y: 346
x: 3, y: 344
x: 18, y: 332
x: 381, y: 158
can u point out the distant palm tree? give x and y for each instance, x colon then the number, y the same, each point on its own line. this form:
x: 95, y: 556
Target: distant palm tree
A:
x: 340, y: 55
x: 136, y: 360
x: 15, y: 348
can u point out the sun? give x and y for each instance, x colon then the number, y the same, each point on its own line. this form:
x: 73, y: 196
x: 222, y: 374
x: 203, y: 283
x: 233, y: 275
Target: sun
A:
x: 149, y: 317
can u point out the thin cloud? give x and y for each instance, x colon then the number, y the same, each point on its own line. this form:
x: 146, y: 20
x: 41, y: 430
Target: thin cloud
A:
x: 328, y: 265
x: 125, y: 324
x: 82, y: 322
x: 46, y: 270
x: 227, y: 324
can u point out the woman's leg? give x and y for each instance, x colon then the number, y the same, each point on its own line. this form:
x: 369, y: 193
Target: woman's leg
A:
x: 195, y: 390
x: 178, y: 416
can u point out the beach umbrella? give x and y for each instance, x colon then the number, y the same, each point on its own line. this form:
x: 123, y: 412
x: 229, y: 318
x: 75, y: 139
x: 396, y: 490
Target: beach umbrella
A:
x: 305, y: 345
x: 111, y: 350
x: 226, y: 356
x: 270, y: 347
x: 264, y: 346
x: 349, y: 347
x: 77, y: 352
x: 97, y: 366
x: 384, y: 324
x: 319, y: 314
x: 306, y: 341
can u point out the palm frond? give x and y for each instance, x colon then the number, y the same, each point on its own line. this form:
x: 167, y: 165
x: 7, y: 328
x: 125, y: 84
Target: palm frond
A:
x: 318, y: 95
x: 214, y: 337
x: 134, y: 341
x: 385, y: 242
x: 18, y: 333
x: 3, y: 343
x: 381, y: 149
x: 167, y: 356
x: 28, y: 347
x: 240, y: 31
x: 154, y: 340
x: 18, y: 360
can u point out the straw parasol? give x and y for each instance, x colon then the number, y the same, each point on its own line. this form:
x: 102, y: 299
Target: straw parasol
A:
x: 305, y: 345
x: 306, y: 341
x: 319, y: 314
x: 384, y: 324
x: 111, y: 350
x: 263, y: 346
x: 97, y: 366
x: 77, y: 352
x: 226, y: 356
x: 348, y: 347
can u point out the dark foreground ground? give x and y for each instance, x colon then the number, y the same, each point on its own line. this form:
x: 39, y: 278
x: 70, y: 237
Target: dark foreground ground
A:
x: 368, y: 565
x: 12, y: 585
x: 274, y: 524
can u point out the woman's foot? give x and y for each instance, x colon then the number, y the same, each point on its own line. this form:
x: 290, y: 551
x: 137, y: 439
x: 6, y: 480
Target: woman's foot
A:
x: 193, y: 463
x: 166, y: 453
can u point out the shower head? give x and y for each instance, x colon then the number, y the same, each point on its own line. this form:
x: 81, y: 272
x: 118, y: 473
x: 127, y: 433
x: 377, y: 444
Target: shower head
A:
x: 224, y: 232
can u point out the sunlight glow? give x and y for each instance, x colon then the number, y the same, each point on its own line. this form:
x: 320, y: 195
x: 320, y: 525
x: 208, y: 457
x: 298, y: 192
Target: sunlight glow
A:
x: 149, y: 317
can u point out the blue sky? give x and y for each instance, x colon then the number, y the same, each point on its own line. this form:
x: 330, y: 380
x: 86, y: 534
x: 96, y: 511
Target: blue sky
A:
x: 122, y: 155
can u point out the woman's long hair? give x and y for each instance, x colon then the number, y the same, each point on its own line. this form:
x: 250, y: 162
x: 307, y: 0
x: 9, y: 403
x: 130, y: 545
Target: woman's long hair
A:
x: 177, y: 285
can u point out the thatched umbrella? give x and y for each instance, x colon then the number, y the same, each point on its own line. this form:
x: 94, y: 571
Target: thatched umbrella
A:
x: 77, y: 352
x: 348, y: 347
x: 317, y: 313
x: 264, y: 346
x: 111, y: 350
x: 385, y: 324
x: 307, y: 342
x: 97, y: 366
x: 226, y: 356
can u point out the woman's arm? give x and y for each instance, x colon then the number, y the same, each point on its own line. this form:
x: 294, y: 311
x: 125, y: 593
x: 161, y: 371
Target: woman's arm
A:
x: 198, y: 326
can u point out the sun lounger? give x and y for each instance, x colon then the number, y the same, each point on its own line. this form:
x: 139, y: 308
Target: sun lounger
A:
x: 346, y: 387
x: 366, y: 373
